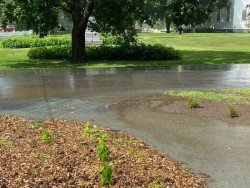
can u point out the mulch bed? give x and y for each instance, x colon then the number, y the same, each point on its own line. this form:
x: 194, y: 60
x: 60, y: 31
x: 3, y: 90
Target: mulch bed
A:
x: 69, y: 160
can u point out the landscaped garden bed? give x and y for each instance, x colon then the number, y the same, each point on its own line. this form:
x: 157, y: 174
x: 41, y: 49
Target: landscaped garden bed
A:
x: 60, y: 153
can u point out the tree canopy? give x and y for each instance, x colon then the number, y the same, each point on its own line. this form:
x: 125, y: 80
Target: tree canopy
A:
x: 40, y: 16
x: 182, y: 12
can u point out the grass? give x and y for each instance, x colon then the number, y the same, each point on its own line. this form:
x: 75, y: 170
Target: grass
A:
x: 239, y: 95
x: 196, y: 48
x: 205, y: 48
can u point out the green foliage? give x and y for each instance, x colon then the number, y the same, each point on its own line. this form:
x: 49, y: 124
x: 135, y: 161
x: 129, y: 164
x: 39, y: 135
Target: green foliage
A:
x: 87, y: 129
x: 46, y: 136
x: 35, y: 124
x: 193, y: 103
x: 106, y: 172
x: 32, y: 41
x: 155, y: 184
x: 55, y: 52
x: 2, y: 143
x: 133, y: 153
x: 111, y: 40
x: 233, y: 111
x: 123, y: 52
x: 40, y: 16
x: 102, y: 150
x: 200, y: 94
x: 102, y: 135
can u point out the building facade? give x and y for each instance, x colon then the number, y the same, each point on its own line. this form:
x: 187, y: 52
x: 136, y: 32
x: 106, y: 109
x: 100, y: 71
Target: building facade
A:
x: 234, y: 18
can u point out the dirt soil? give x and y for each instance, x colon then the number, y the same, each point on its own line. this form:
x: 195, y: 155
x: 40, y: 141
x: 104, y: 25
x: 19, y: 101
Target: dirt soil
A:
x: 70, y: 159
x: 213, y: 109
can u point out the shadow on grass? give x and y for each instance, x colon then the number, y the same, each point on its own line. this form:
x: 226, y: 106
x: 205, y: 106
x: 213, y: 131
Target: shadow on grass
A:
x: 188, y: 57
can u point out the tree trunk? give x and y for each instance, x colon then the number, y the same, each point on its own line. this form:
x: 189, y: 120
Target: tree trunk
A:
x: 193, y: 28
x: 180, y: 29
x: 78, y: 45
x: 80, y: 16
x: 168, y: 24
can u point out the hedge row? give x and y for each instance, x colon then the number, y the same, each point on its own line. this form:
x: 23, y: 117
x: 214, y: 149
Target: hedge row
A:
x: 133, y: 52
x: 31, y: 41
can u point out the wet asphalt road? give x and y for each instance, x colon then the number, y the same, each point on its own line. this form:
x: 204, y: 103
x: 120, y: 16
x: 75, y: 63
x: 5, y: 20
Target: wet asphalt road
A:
x: 208, y: 146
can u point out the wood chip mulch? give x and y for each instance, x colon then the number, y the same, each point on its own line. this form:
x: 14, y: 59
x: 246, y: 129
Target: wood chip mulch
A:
x: 69, y: 160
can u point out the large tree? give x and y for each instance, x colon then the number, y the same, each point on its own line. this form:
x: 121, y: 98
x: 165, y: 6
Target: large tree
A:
x: 40, y: 16
x: 116, y: 16
x: 182, y: 12
x: 195, y: 12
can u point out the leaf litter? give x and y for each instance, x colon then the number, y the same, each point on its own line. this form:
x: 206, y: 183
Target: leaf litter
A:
x: 70, y: 159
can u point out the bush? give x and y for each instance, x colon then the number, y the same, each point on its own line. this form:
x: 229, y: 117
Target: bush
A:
x: 32, y: 41
x: 131, y: 52
x: 193, y: 103
x: 111, y: 40
x: 55, y: 52
x: 233, y: 111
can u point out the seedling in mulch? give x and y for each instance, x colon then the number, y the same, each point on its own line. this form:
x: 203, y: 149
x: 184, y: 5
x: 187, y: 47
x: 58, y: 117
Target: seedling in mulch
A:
x: 118, y: 141
x: 46, y: 136
x: 36, y: 124
x: 101, y: 135
x: 87, y: 129
x: 193, y: 103
x: 233, y: 111
x: 106, y: 172
x: 155, y: 184
x: 41, y: 156
x: 133, y: 153
x: 2, y: 143
x: 102, y: 150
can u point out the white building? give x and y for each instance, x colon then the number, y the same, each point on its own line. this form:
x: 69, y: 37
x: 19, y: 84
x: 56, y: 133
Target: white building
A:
x: 232, y: 19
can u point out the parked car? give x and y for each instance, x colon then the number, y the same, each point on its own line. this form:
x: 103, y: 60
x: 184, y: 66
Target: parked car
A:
x: 1, y: 29
x: 10, y: 28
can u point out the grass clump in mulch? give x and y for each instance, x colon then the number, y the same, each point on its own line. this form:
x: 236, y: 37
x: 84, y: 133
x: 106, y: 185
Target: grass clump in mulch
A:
x: 69, y: 158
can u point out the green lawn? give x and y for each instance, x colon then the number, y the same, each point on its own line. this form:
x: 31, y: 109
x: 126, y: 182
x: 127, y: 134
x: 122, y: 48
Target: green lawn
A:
x: 205, y: 48
x: 196, y: 48
x: 237, y: 95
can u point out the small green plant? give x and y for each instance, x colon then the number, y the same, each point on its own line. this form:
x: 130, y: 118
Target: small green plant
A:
x: 87, y: 129
x: 118, y: 141
x: 155, y: 184
x: 102, y: 135
x: 233, y: 111
x: 102, y: 150
x: 41, y: 155
x: 35, y: 124
x: 193, y: 103
x: 2, y: 143
x: 133, y: 153
x: 46, y: 136
x: 106, y: 172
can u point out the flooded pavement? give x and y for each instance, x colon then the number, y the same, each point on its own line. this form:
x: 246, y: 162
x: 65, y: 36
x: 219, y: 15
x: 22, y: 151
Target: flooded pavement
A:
x: 206, y: 145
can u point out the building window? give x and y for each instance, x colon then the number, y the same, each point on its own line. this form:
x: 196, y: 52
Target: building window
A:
x: 228, y: 14
x: 218, y: 15
x: 244, y: 15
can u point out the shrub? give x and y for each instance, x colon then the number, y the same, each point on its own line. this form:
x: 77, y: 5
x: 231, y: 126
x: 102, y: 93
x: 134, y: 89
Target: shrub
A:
x: 32, y: 41
x: 193, y: 103
x: 111, y: 40
x: 123, y: 52
x: 233, y: 111
x: 56, y: 52
x: 17, y: 42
